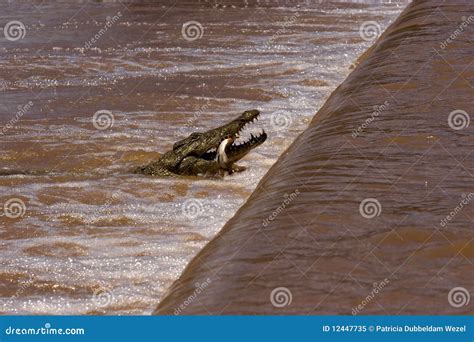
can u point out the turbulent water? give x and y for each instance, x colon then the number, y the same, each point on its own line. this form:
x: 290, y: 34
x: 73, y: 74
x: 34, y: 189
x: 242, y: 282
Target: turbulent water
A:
x: 92, y: 237
x: 370, y: 210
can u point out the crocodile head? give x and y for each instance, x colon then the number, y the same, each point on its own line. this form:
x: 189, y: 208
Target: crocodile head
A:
x: 204, y: 145
x: 197, y: 154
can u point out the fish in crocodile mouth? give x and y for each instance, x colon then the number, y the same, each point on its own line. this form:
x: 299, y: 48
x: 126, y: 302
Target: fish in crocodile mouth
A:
x: 233, y: 148
x: 205, y: 153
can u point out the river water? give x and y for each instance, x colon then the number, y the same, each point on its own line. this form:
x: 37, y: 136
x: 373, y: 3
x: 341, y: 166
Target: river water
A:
x: 79, y: 233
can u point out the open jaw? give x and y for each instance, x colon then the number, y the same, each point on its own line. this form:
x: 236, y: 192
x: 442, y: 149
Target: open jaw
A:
x: 237, y: 147
x: 237, y: 150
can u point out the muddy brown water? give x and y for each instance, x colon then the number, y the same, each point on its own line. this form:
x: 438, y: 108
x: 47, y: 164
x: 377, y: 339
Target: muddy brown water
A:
x: 370, y: 211
x: 93, y: 238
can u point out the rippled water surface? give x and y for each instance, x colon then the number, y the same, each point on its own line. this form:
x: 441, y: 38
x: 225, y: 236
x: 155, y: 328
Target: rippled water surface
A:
x: 95, y: 238
x: 370, y: 210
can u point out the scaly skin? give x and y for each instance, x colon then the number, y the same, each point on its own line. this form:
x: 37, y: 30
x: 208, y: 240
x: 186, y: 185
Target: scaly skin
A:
x: 195, y: 154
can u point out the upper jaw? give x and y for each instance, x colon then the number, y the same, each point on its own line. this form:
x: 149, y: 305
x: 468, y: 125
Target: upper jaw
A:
x: 245, y: 118
x: 237, y: 148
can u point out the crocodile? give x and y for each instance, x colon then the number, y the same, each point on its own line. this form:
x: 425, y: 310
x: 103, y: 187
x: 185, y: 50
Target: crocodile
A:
x: 211, y: 153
